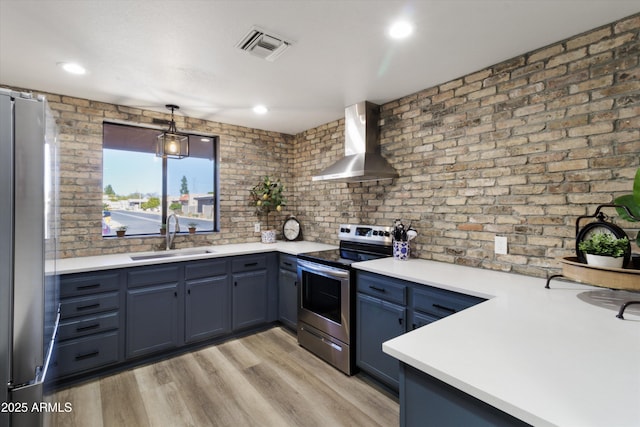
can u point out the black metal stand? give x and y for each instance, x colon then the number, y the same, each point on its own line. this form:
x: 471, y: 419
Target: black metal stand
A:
x: 624, y: 306
x: 554, y: 276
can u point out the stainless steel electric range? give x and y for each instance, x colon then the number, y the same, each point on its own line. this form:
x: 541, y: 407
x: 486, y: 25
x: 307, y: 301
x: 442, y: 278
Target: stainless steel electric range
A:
x: 327, y: 295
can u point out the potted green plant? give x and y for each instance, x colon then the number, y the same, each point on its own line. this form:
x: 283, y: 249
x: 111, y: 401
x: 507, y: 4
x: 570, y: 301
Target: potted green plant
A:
x: 604, y: 250
x: 632, y: 204
x: 192, y: 227
x: 121, y: 231
x: 163, y: 229
x: 267, y: 196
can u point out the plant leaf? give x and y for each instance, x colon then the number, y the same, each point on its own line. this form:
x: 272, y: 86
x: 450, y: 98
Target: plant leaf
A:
x: 636, y: 187
x: 629, y: 201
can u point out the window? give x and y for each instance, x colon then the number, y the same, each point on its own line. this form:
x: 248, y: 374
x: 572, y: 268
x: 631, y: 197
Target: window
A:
x: 140, y: 190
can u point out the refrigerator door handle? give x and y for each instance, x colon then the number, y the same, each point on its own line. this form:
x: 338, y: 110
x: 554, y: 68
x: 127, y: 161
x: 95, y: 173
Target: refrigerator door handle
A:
x: 41, y: 371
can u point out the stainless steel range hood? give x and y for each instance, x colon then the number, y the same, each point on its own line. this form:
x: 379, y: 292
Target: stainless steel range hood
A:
x: 362, y: 160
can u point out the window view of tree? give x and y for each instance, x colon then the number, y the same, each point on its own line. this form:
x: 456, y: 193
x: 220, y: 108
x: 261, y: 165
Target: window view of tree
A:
x: 133, y: 183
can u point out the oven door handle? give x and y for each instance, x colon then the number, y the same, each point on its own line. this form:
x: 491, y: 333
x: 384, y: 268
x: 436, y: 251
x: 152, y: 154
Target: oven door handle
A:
x: 323, y: 269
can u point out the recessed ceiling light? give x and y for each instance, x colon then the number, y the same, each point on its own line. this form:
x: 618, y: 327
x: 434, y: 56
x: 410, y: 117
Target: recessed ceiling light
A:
x: 204, y: 139
x: 400, y: 30
x: 260, y: 109
x: 73, y: 68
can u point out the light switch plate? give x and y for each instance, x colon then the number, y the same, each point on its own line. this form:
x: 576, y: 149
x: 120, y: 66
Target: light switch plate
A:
x: 256, y: 227
x: 500, y: 246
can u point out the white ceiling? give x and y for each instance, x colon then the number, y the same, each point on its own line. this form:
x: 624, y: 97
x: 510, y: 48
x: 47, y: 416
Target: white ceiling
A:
x: 148, y: 53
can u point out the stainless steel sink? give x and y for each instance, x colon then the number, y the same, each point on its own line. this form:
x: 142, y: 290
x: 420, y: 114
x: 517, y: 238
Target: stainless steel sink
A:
x: 171, y: 254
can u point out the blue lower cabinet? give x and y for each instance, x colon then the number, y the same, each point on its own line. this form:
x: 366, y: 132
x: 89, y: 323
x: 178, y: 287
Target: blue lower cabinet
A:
x: 288, y: 298
x: 425, y: 400
x: 124, y: 316
x: 90, y: 335
x: 378, y: 321
x: 153, y: 321
x: 249, y: 299
x: 388, y: 307
x: 207, y: 308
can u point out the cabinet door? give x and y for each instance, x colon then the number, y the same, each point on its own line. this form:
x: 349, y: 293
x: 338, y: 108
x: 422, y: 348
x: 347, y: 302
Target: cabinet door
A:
x: 378, y: 321
x: 207, y: 308
x: 288, y: 298
x: 249, y: 299
x: 152, y: 319
x: 421, y: 319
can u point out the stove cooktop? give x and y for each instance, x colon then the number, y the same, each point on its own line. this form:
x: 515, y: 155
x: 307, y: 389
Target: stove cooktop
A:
x: 357, y: 243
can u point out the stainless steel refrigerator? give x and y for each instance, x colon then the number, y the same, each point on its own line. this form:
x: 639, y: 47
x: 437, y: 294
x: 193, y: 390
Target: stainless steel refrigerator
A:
x: 28, y: 244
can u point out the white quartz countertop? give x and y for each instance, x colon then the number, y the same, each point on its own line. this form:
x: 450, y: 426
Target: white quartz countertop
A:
x: 542, y: 355
x: 106, y: 262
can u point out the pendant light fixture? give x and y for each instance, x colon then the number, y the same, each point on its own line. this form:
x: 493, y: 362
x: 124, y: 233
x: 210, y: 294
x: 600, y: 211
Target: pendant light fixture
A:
x: 172, y: 144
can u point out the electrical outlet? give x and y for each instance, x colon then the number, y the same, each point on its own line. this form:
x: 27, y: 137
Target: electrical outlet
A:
x: 500, y: 246
x: 256, y: 227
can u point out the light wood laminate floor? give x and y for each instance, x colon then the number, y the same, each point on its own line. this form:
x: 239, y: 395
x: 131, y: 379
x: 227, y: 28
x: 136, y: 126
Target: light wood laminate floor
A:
x: 264, y: 379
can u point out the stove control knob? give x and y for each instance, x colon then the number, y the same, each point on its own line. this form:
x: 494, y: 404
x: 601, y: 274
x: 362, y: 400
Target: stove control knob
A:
x: 375, y: 232
x: 387, y: 234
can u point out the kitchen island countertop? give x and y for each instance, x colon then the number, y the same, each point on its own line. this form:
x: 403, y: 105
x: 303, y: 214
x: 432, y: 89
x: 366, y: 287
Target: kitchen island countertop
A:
x: 106, y: 262
x: 542, y: 355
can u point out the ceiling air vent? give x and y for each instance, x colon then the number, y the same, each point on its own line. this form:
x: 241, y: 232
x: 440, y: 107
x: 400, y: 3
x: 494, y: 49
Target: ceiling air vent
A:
x: 262, y: 44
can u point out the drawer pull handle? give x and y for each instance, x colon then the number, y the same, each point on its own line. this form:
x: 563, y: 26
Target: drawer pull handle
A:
x: 288, y: 264
x: 375, y: 288
x: 88, y: 327
x: 87, y: 307
x: 442, y: 307
x: 251, y: 264
x: 91, y: 286
x: 87, y: 355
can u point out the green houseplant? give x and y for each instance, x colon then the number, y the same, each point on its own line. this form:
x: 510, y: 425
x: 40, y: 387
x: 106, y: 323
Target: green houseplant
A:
x: 121, y: 231
x: 604, y: 250
x: 192, y: 227
x: 632, y: 203
x: 266, y: 196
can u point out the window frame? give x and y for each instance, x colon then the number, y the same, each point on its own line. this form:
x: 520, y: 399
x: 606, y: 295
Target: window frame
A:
x: 215, y: 141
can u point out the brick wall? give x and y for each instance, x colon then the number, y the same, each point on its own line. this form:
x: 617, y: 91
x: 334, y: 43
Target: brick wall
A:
x: 246, y: 156
x: 519, y: 149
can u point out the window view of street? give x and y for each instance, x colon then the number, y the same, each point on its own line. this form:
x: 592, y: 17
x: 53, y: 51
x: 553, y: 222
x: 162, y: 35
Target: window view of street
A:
x: 132, y: 192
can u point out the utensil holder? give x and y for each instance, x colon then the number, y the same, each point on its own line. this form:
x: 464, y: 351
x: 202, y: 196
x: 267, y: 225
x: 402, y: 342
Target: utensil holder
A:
x: 401, y: 250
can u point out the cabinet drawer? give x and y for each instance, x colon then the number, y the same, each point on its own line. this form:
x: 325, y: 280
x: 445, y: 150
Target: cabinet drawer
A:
x: 249, y: 263
x: 83, y: 284
x: 86, y: 353
x: 206, y: 268
x: 440, y: 302
x: 88, y: 305
x: 153, y: 275
x: 86, y: 326
x: 383, y: 287
x: 288, y: 262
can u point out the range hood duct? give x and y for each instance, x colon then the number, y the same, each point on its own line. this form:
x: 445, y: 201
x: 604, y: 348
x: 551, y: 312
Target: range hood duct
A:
x: 362, y: 160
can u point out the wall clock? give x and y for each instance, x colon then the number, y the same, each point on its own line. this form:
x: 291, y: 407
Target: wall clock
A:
x: 291, y: 229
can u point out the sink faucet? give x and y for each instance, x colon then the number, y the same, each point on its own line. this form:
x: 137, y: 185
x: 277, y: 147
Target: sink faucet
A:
x: 171, y: 236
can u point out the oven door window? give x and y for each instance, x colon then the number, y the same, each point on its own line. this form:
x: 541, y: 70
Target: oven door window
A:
x: 322, y: 295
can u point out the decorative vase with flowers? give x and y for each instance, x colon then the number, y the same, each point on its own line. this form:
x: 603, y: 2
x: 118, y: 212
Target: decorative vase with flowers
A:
x: 267, y: 196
